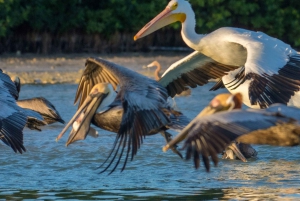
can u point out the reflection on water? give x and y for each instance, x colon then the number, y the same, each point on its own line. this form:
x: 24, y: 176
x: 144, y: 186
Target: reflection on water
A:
x: 156, y: 194
x: 49, y: 170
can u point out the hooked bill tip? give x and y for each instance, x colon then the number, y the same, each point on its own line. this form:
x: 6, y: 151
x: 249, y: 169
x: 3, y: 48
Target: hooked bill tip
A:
x: 165, y: 148
x: 135, y: 38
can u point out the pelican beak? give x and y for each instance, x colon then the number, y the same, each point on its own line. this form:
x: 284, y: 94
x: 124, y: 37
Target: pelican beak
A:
x: 150, y: 65
x: 82, y: 119
x: 237, y: 151
x: 208, y: 111
x: 180, y: 137
x: 165, y: 18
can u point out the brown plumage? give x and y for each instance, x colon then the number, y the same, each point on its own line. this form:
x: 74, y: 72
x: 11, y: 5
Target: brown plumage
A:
x: 229, y: 102
x: 40, y: 105
x: 206, y: 136
x: 134, y: 106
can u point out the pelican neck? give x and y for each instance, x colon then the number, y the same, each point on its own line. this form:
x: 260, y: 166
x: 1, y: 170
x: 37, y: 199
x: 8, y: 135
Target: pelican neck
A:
x: 188, y: 33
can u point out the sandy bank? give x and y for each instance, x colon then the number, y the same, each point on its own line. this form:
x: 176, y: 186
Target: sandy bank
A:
x: 67, y: 68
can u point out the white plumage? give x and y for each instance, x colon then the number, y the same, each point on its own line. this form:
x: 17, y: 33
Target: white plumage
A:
x: 264, y: 69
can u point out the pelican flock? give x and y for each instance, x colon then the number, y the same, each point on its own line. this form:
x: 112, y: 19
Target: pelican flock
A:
x: 258, y: 70
x: 263, y: 69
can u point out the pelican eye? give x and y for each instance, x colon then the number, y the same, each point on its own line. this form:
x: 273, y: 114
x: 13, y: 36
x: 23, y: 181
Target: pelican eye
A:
x: 174, y: 6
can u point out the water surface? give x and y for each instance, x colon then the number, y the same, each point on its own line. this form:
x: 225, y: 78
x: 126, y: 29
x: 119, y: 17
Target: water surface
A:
x: 49, y: 170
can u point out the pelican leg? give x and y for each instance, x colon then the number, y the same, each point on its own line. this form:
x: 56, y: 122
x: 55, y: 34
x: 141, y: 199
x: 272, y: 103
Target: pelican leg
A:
x: 168, y: 138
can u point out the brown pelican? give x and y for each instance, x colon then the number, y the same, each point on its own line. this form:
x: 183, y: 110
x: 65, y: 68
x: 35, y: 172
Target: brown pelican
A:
x: 12, y: 118
x: 228, y: 102
x: 277, y: 125
x: 263, y: 69
x: 138, y: 108
x: 41, y: 105
x: 157, y: 75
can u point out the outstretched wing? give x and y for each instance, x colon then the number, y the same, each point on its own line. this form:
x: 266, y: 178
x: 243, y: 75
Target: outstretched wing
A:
x: 209, y: 135
x: 93, y: 74
x: 12, y: 119
x: 194, y: 69
x: 142, y: 100
x: 43, y: 107
x: 12, y: 123
x: 272, y: 66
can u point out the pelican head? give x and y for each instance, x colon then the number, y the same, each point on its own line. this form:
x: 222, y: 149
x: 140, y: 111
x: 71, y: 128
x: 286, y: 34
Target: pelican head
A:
x: 175, y: 11
x: 223, y: 102
x: 101, y: 96
x: 152, y: 64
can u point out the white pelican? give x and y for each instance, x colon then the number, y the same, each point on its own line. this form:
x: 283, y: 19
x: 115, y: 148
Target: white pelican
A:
x: 187, y: 91
x: 12, y: 118
x: 263, y: 69
x: 277, y: 125
x: 229, y: 102
x: 139, y: 108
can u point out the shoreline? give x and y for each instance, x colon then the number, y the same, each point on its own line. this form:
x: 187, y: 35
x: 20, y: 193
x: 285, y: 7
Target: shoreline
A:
x: 67, y: 68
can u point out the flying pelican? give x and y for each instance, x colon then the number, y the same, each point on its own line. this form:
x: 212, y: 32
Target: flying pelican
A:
x: 138, y: 108
x: 39, y: 104
x: 263, y: 69
x: 156, y: 64
x: 229, y: 102
x: 277, y: 125
x: 12, y: 118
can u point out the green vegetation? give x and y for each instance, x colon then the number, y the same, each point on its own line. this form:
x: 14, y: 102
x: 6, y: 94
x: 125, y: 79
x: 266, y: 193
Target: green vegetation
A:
x: 23, y: 22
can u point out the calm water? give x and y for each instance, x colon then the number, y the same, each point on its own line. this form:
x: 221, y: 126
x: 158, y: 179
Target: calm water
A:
x: 49, y: 170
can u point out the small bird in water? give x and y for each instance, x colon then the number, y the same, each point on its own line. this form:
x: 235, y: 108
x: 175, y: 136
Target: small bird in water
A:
x: 229, y: 102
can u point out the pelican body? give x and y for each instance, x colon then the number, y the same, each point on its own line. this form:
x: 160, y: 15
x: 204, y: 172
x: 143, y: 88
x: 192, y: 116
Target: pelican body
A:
x: 120, y: 100
x: 263, y: 69
x: 277, y: 125
x: 227, y: 102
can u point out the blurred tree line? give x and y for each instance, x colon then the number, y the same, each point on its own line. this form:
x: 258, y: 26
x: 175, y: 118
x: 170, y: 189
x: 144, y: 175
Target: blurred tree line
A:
x: 47, y: 26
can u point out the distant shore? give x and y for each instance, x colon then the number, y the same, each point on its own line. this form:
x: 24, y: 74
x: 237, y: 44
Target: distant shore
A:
x: 67, y: 68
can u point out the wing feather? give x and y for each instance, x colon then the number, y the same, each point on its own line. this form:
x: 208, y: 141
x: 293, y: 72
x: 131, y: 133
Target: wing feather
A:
x: 142, y: 98
x: 195, y: 69
x: 210, y: 135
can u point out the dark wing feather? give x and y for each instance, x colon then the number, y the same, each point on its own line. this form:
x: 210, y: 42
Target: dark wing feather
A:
x: 11, y: 130
x: 265, y: 89
x: 195, y: 69
x: 142, y: 100
x: 207, y: 136
x: 7, y: 86
x: 43, y: 107
x: 12, y: 118
x: 93, y: 74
